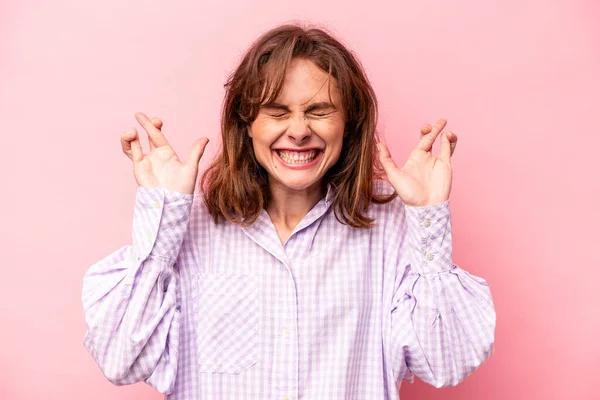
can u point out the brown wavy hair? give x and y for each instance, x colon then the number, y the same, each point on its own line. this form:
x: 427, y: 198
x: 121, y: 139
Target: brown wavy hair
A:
x: 235, y: 186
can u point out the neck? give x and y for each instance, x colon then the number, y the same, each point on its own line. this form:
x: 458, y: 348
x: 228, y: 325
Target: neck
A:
x: 287, y: 207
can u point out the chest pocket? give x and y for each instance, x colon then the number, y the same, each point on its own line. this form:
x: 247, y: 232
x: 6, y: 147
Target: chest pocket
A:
x: 227, y: 330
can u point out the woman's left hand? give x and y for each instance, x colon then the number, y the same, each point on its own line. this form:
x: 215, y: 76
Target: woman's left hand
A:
x: 425, y: 179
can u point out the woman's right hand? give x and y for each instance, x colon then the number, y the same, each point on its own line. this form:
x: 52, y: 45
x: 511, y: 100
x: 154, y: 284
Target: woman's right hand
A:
x: 161, y: 167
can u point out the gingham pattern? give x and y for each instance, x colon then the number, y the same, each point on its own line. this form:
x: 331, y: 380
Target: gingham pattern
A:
x: 201, y: 310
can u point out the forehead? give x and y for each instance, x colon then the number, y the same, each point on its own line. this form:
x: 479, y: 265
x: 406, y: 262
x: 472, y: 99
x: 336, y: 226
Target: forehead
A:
x: 306, y: 83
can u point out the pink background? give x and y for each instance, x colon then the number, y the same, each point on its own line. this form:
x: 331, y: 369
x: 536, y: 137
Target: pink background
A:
x: 518, y: 82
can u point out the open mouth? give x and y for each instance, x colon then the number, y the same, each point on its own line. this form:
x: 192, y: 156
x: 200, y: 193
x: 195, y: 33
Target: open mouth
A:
x: 298, y: 157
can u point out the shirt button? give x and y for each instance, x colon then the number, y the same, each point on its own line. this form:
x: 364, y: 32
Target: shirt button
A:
x: 149, y: 235
x: 427, y: 223
x: 286, y: 398
x: 286, y: 332
x: 157, y: 204
x: 429, y: 256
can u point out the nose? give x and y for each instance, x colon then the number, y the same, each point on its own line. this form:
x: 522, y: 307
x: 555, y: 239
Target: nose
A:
x: 299, y: 131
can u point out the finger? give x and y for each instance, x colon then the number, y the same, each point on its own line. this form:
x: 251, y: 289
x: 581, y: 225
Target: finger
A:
x: 449, y: 141
x: 453, y: 144
x: 426, y: 142
x: 388, y: 164
x: 126, y: 144
x: 136, y: 148
x: 150, y: 143
x: 196, y: 152
x: 425, y: 129
x: 130, y: 144
x: 155, y: 136
x: 157, y: 123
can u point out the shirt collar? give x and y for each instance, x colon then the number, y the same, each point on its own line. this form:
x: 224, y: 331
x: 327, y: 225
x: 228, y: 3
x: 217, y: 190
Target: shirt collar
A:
x: 330, y: 194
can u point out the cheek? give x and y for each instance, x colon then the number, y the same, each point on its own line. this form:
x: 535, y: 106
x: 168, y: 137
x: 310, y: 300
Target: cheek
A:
x: 265, y: 132
x: 261, y: 151
x: 263, y: 136
x: 333, y: 134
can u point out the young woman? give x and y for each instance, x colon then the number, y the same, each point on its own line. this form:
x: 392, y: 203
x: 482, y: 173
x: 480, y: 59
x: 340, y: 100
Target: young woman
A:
x: 299, y: 272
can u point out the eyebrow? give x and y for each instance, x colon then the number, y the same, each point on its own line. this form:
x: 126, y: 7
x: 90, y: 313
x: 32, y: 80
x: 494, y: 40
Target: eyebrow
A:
x: 323, y: 105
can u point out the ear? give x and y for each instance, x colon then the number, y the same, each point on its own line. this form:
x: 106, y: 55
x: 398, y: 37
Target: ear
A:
x: 250, y: 131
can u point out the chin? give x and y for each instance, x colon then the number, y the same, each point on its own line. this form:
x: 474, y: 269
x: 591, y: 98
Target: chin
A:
x: 298, y: 184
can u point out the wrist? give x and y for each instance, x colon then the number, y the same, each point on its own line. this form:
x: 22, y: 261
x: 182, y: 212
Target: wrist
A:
x: 161, y: 217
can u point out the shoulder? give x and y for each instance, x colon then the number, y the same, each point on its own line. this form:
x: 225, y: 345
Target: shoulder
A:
x: 202, y: 220
x: 200, y: 228
x: 389, y: 216
x: 382, y: 187
x: 200, y: 215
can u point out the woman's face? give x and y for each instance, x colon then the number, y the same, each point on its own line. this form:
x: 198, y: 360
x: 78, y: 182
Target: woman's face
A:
x: 299, y: 137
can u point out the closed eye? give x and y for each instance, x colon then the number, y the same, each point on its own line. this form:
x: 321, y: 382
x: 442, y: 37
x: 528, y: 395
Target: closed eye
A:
x: 321, y: 113
x: 276, y: 110
x: 321, y: 109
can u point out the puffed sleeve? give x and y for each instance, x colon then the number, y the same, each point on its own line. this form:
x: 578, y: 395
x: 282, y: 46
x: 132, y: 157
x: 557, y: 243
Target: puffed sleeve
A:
x: 442, y: 317
x: 130, y: 298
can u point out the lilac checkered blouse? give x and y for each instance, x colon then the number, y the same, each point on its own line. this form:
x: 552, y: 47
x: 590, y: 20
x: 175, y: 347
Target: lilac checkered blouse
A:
x: 200, y: 310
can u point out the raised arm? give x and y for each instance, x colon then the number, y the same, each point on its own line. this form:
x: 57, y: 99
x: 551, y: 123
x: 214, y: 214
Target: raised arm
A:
x: 442, y: 318
x: 130, y: 298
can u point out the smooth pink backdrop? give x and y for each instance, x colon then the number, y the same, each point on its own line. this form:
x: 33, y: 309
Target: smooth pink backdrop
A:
x: 518, y: 82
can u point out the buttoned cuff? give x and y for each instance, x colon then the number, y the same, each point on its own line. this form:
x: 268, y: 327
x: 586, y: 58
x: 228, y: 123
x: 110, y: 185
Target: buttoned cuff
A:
x: 160, y: 221
x: 430, y: 237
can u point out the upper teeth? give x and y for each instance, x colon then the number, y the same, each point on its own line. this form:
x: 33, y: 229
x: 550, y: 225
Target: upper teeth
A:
x: 288, y: 155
